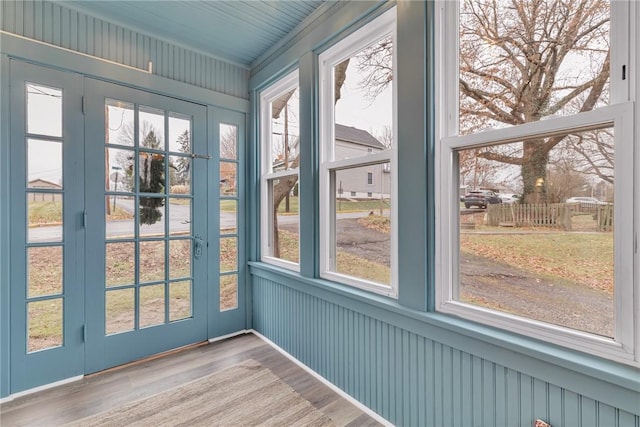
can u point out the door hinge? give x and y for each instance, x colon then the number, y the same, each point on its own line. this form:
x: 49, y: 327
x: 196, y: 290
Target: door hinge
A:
x: 84, y: 333
x: 83, y: 106
x: 84, y: 218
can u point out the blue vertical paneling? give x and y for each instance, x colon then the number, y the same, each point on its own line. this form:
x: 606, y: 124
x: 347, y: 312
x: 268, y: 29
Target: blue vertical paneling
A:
x: 57, y: 25
x: 409, y: 379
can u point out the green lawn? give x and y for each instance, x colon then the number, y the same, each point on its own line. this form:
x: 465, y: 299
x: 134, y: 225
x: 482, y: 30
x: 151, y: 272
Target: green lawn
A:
x: 585, y: 258
x: 342, y: 205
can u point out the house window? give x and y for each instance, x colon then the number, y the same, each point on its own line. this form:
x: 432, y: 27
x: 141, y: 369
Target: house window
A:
x: 279, y: 124
x: 357, y: 137
x: 531, y: 126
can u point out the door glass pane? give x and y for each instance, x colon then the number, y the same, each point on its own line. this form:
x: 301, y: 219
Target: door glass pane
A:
x: 179, y: 133
x: 44, y: 110
x: 120, y: 123
x: 228, y: 176
x: 44, y: 271
x: 179, y: 216
x: 151, y: 305
x: 45, y: 217
x: 44, y: 324
x: 180, y: 175
x: 548, y: 253
x: 119, y: 170
x: 151, y: 128
x: 152, y: 214
x: 151, y: 173
x: 179, y: 258
x: 228, y: 254
x: 179, y: 300
x: 228, y: 141
x: 120, y: 264
x: 120, y: 311
x: 228, y: 292
x: 119, y: 217
x: 44, y: 160
x: 228, y: 216
x: 152, y: 261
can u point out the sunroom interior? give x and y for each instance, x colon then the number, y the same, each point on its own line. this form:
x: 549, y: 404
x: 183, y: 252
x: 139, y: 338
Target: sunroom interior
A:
x: 432, y: 206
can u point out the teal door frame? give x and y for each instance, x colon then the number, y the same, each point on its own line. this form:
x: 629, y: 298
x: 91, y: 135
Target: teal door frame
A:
x: 46, y: 363
x: 85, y: 349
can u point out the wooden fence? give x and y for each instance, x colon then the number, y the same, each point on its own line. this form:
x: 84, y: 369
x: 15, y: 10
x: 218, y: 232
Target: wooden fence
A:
x: 554, y: 215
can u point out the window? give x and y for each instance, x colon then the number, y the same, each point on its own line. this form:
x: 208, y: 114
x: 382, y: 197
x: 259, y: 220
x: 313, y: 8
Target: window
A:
x: 529, y: 127
x: 357, y: 138
x: 279, y: 190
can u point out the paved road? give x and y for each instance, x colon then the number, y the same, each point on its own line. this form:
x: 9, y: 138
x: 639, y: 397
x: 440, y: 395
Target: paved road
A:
x: 179, y: 222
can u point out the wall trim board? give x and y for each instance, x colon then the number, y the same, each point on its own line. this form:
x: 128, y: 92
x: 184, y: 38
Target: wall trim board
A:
x: 324, y: 381
x: 325, y: 29
x: 609, y: 382
x: 49, y: 55
x: 5, y: 265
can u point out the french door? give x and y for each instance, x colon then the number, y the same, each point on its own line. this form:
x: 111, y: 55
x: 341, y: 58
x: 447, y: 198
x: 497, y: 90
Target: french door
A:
x: 125, y: 224
x: 146, y: 209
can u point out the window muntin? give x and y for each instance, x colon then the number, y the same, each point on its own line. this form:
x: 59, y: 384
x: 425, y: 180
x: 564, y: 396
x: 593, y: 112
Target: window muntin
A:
x: 534, y: 151
x: 280, y: 190
x: 358, y: 154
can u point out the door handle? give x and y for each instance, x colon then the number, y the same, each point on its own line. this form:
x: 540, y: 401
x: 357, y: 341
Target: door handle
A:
x: 197, y: 247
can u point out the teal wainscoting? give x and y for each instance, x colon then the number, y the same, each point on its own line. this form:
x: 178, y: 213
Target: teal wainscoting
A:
x: 64, y: 27
x: 408, y: 378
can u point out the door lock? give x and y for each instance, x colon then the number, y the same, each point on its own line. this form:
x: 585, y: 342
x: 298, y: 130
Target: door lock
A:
x: 197, y: 247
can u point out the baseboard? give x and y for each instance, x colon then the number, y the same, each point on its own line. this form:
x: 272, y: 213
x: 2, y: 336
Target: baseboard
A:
x: 323, y: 380
x: 40, y: 388
x: 235, y: 334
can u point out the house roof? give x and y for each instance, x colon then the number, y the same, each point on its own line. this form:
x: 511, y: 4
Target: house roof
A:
x: 357, y: 136
x: 42, y: 183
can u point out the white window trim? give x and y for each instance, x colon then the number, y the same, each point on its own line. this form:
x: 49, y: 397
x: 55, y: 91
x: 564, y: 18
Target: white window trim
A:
x: 283, y: 85
x: 347, y: 47
x: 625, y: 346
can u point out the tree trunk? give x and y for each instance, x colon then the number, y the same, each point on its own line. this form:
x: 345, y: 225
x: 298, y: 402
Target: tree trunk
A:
x: 280, y: 191
x: 534, y: 171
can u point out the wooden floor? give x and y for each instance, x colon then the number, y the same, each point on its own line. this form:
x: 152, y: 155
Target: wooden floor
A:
x: 103, y: 391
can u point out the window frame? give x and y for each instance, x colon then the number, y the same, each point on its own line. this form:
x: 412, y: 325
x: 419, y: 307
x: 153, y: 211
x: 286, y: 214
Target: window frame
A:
x: 620, y: 113
x: 284, y: 84
x: 383, y: 25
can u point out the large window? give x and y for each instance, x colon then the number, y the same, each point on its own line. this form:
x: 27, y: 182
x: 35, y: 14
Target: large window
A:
x: 280, y: 164
x: 357, y: 159
x: 535, y: 168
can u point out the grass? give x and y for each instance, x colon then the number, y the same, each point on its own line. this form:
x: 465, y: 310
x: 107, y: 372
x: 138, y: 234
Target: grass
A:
x: 342, y: 205
x: 44, y: 213
x: 583, y: 258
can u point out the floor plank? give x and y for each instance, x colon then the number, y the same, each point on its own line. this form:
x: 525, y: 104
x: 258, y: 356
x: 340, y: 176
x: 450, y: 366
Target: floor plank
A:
x: 100, y: 392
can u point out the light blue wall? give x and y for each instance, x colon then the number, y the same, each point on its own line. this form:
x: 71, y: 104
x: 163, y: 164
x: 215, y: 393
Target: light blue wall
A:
x: 415, y: 372
x: 61, y: 26
x: 409, y: 364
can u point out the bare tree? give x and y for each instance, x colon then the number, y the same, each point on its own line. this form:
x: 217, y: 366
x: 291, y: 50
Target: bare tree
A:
x: 521, y: 61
